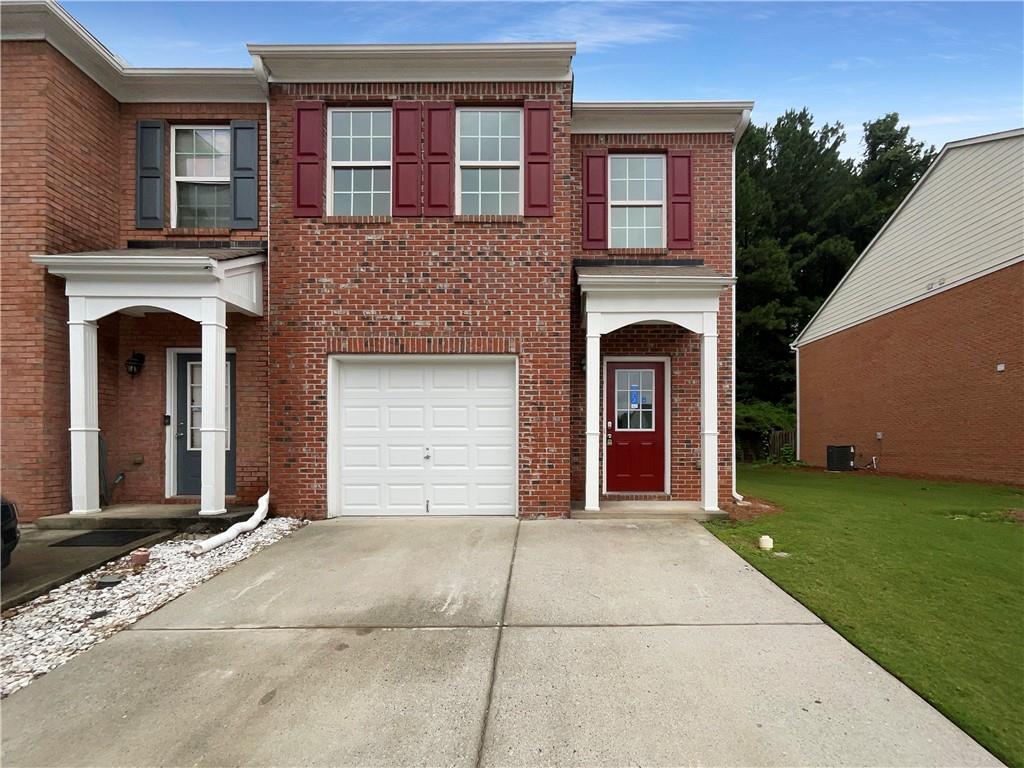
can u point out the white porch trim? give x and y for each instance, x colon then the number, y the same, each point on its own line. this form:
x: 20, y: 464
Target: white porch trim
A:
x: 614, y: 297
x: 199, y: 285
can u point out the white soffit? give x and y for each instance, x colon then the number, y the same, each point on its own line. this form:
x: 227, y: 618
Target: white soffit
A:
x: 661, y: 117
x: 429, y: 62
x: 46, y: 21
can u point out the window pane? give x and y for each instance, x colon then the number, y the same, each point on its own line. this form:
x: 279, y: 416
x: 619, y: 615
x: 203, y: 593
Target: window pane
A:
x: 490, y: 203
x: 341, y: 124
x: 646, y: 420
x: 635, y: 167
x: 341, y: 149
x: 204, y: 141
x: 618, y: 216
x: 652, y: 216
x: 647, y: 380
x: 220, y: 166
x: 343, y: 180
x: 618, y: 167
x: 510, y: 150
x: 470, y: 180
x: 509, y: 179
x: 654, y: 190
x: 618, y: 238
x: 203, y: 205
x: 469, y: 149
x: 382, y: 123
x: 635, y: 216
x: 222, y: 141
x: 183, y: 141
x: 509, y: 203
x: 183, y: 165
x: 489, y: 122
x: 470, y: 204
x: 361, y: 123
x: 381, y: 150
x: 470, y: 123
x: 635, y: 190
x: 509, y: 123
x: 360, y: 150
x: 361, y: 204
x: 362, y: 180
x: 381, y: 204
x: 654, y: 239
x: 489, y: 149
x: 490, y: 179
x: 618, y: 190
x: 654, y: 168
x: 343, y: 204
x: 381, y: 179
x: 635, y: 238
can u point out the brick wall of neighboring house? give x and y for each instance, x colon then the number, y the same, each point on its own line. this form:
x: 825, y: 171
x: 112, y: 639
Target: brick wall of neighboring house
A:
x: 925, y: 376
x: 58, y: 193
x: 418, y: 285
x: 712, y: 245
x: 184, y: 114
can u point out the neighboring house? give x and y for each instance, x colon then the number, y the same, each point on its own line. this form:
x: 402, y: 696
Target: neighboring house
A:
x: 377, y: 279
x: 917, y: 356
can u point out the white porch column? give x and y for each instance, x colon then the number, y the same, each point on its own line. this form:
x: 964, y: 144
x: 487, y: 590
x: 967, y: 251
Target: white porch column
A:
x: 709, y: 412
x: 213, y: 426
x: 85, y: 426
x: 593, y: 373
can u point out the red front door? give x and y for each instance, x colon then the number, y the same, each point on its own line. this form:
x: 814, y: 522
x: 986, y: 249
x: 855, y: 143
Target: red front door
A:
x: 635, y: 427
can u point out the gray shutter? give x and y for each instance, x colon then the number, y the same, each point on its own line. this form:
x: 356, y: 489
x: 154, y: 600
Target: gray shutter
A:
x: 149, y: 174
x: 245, y: 159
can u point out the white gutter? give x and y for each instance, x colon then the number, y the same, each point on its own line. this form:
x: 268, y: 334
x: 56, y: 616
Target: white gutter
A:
x: 202, y: 547
x: 741, y: 128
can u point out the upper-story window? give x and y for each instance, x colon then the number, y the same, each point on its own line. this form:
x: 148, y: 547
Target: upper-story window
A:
x: 489, y: 154
x: 359, y: 162
x: 201, y: 182
x: 636, y: 199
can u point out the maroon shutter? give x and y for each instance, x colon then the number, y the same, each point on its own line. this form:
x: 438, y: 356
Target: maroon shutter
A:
x: 439, y: 158
x: 679, y: 200
x: 538, y: 157
x: 308, y: 149
x: 595, y: 198
x: 406, y: 132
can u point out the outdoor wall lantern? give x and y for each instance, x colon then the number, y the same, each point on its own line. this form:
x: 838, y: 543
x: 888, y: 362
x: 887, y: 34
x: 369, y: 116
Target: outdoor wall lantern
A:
x: 134, y: 364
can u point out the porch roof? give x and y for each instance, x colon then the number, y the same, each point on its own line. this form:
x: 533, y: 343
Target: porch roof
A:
x: 162, y: 279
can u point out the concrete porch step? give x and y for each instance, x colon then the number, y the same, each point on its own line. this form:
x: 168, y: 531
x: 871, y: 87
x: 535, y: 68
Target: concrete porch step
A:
x: 647, y: 510
x: 178, y: 517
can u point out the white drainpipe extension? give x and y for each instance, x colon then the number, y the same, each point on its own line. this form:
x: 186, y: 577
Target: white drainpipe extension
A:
x: 202, y: 547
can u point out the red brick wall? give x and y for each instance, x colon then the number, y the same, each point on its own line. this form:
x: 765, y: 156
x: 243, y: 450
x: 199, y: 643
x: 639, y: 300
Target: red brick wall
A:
x: 58, y: 193
x: 712, y: 237
x: 925, y: 376
x: 183, y: 114
x: 418, y: 285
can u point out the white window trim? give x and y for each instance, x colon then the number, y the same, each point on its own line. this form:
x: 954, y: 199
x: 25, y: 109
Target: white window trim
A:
x: 175, y: 178
x: 637, y: 203
x: 189, y: 445
x: 520, y: 163
x: 332, y: 163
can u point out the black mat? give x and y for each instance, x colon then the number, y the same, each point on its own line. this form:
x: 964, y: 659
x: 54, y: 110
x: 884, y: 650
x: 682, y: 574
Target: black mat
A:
x: 112, y: 538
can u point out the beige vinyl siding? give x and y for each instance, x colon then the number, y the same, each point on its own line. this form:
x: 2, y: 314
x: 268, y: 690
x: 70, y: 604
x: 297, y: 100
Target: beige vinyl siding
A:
x: 964, y: 219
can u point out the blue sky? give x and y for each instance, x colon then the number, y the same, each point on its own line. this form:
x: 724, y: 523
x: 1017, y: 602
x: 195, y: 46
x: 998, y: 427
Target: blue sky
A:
x: 951, y: 69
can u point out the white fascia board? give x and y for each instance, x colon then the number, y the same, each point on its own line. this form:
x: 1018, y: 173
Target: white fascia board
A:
x: 589, y: 117
x: 65, y: 265
x: 468, y: 62
x: 634, y: 283
x: 42, y: 20
x: 804, y: 336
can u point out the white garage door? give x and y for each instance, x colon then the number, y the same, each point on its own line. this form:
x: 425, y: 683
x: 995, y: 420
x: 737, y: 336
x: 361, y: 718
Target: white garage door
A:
x: 426, y: 436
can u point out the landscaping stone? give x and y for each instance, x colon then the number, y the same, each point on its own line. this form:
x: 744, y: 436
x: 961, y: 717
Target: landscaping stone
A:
x: 47, y: 632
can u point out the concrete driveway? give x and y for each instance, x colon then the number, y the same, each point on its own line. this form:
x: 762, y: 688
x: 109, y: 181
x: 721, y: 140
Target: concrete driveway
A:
x: 481, y: 642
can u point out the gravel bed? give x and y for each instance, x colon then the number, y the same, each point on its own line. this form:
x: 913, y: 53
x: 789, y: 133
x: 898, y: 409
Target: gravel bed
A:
x: 48, y: 631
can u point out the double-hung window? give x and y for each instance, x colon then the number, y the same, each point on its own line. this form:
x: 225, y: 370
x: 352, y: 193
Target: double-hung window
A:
x: 636, y: 199
x: 201, y: 182
x: 489, y: 154
x: 359, y: 162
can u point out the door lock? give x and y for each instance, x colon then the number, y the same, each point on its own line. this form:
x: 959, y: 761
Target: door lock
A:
x: 609, y: 438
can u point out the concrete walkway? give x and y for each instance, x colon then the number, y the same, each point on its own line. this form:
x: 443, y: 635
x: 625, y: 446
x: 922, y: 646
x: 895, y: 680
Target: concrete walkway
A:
x: 481, y: 642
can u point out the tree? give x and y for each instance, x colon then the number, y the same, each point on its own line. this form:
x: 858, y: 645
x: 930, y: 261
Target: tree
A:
x: 803, y: 213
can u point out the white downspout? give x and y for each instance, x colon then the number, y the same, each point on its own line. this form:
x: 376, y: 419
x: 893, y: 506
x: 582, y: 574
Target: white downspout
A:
x: 741, y: 128
x: 202, y: 547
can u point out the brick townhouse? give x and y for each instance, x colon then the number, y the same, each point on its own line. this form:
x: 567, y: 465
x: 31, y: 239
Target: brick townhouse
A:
x: 375, y: 279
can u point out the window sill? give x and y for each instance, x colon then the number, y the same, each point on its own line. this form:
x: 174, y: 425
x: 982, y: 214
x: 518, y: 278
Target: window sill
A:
x: 194, y: 231
x: 489, y: 219
x: 638, y: 251
x: 356, y: 219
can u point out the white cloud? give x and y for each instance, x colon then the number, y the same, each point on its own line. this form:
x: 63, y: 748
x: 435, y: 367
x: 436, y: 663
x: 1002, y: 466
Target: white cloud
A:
x: 595, y: 27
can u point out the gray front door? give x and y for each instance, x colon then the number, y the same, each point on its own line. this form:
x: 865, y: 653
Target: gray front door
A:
x: 188, y: 420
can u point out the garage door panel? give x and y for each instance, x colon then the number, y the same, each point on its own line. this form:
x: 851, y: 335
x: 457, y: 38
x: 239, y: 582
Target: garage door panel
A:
x: 406, y: 416
x: 429, y: 431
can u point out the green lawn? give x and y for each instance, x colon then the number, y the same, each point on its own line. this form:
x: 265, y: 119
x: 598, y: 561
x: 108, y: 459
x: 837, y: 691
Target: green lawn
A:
x: 925, y: 577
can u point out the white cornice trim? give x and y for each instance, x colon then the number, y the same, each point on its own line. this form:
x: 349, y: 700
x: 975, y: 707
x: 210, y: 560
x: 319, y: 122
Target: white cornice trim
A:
x: 661, y: 117
x: 659, y: 283
x: 43, y: 20
x: 429, y: 62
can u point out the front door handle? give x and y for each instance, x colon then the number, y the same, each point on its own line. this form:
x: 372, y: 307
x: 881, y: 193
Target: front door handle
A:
x: 179, y: 435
